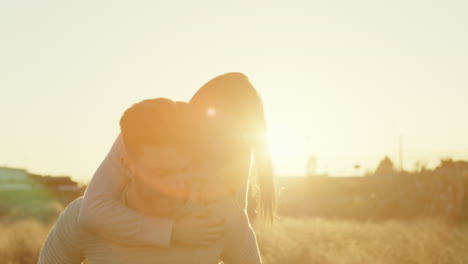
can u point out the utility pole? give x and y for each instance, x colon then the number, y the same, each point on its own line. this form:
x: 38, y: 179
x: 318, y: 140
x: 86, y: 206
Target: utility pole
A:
x: 401, y: 153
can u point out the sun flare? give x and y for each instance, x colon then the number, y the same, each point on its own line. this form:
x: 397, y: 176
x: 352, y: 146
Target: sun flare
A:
x: 285, y: 143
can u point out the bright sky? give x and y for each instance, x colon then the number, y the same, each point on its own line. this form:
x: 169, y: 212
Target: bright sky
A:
x: 341, y: 80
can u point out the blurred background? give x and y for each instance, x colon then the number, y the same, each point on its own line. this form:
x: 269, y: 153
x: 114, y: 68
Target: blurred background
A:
x: 366, y: 103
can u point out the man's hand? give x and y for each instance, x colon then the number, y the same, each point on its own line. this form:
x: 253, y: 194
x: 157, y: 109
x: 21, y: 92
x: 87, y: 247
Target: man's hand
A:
x: 197, y: 230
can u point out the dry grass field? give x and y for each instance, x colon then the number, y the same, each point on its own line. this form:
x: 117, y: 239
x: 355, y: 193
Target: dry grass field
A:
x: 20, y: 242
x: 291, y: 241
x: 339, y: 242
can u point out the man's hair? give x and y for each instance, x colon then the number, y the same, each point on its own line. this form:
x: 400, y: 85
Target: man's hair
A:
x: 155, y: 122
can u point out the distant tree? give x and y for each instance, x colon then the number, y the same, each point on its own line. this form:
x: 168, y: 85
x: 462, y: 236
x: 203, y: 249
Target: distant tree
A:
x: 385, y: 167
x: 450, y: 164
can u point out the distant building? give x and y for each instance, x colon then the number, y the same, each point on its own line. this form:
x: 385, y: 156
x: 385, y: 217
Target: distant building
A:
x: 14, y: 179
x: 63, y: 187
x: 311, y: 166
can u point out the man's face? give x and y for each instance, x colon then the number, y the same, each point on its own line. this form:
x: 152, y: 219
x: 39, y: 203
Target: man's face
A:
x: 161, y: 175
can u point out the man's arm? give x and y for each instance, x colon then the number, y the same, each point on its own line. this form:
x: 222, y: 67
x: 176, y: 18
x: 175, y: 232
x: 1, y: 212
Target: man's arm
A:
x: 64, y: 242
x: 103, y: 212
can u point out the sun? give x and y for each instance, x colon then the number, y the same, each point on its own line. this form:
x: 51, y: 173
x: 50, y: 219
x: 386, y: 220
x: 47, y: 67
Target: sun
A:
x: 285, y: 143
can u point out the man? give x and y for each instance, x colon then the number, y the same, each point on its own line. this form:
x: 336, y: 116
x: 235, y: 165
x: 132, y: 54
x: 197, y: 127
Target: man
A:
x: 158, y: 161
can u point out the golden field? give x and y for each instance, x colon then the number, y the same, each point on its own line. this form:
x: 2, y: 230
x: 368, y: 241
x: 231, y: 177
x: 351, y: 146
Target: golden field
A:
x: 20, y: 242
x: 293, y: 240
x: 339, y: 242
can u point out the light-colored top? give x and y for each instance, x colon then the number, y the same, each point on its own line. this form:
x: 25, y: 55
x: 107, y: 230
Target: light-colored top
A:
x: 103, y: 213
x: 69, y: 243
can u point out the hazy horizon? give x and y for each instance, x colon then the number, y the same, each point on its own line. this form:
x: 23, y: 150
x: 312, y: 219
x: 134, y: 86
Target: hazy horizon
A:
x: 339, y: 80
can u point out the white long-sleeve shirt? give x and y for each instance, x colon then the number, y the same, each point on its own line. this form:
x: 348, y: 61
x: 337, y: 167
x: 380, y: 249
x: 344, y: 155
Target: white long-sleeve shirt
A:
x: 69, y: 243
x: 102, y: 211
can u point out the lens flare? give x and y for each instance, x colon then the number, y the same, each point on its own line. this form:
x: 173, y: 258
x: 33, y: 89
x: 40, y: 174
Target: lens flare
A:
x: 211, y: 111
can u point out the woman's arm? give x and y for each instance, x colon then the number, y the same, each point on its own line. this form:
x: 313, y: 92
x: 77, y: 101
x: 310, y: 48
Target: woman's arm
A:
x: 103, y: 212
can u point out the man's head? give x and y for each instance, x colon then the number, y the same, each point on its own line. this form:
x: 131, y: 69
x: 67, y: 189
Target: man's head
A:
x: 155, y: 133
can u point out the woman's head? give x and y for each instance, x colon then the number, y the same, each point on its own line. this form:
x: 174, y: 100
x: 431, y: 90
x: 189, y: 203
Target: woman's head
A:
x: 232, y: 126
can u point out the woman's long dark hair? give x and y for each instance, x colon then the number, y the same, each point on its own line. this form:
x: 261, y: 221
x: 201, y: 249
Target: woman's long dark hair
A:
x: 232, y: 93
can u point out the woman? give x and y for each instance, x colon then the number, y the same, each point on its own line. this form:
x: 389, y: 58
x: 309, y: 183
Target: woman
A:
x: 231, y: 130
